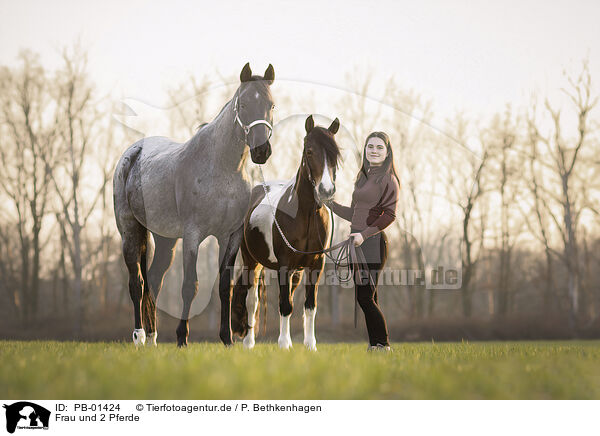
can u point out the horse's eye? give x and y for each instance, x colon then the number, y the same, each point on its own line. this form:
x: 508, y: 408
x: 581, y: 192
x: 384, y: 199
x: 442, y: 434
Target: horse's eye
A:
x: 242, y: 106
x: 273, y: 107
x: 309, y: 152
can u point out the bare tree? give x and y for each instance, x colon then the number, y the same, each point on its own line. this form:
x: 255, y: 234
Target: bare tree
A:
x: 354, y: 109
x: 537, y: 219
x: 77, y: 137
x: 9, y: 273
x: 565, y: 152
x: 29, y: 127
x: 505, y: 179
x: 190, y: 106
x: 466, y: 189
x: 416, y: 228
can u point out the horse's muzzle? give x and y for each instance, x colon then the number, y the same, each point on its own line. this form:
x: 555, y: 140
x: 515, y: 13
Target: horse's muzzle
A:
x: 261, y: 153
x: 326, y: 194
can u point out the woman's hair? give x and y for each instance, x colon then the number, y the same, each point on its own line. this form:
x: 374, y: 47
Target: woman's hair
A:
x: 388, y: 163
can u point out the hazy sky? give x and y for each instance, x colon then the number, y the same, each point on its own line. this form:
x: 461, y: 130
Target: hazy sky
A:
x: 461, y: 54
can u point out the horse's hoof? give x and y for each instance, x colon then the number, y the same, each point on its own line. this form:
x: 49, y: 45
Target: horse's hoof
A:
x: 249, y: 342
x: 151, y: 339
x: 285, y: 343
x: 226, y: 339
x: 182, y: 331
x: 139, y: 337
x: 311, y: 345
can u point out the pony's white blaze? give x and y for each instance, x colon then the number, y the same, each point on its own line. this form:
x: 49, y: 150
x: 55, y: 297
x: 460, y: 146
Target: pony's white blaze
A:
x: 309, y: 329
x: 262, y: 215
x: 285, y: 339
x: 139, y: 337
x: 151, y: 339
x: 251, y: 306
x: 326, y: 181
x: 256, y: 95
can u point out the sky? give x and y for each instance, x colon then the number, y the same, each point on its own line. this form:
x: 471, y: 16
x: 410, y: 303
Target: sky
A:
x: 462, y: 55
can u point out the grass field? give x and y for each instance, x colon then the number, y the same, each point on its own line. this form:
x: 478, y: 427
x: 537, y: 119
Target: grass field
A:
x: 492, y: 370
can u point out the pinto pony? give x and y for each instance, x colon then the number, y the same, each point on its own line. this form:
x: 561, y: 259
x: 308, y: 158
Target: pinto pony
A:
x: 297, y: 207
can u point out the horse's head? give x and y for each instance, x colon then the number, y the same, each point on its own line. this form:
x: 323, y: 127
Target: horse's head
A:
x: 320, y: 158
x: 253, y: 107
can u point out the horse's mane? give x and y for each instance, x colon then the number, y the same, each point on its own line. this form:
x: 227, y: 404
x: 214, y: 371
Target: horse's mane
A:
x: 262, y: 88
x: 326, y: 140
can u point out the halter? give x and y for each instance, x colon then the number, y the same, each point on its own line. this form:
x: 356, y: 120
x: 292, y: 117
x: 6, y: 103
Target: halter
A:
x: 311, y: 180
x: 309, y: 171
x: 246, y: 127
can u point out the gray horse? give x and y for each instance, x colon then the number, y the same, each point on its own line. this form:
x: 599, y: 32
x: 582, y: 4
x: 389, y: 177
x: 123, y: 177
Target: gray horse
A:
x: 190, y: 191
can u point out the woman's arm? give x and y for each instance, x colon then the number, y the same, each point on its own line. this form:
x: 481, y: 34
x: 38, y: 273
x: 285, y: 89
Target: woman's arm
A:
x: 344, y: 212
x: 387, y: 204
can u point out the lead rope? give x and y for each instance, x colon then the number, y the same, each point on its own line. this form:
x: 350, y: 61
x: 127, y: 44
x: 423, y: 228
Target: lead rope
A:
x: 295, y: 250
x: 353, y: 255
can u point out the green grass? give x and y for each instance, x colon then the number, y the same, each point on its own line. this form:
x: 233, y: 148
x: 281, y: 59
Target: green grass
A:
x: 498, y: 370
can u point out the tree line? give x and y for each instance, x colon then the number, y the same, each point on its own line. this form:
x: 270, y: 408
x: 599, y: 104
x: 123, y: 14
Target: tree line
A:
x: 513, y: 200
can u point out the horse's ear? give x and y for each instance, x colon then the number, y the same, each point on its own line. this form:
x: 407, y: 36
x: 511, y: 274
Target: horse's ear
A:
x: 335, y: 126
x: 246, y: 73
x: 309, y: 124
x: 269, y: 74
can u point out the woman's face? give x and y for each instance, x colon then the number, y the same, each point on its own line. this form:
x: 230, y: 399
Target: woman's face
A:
x: 375, y: 151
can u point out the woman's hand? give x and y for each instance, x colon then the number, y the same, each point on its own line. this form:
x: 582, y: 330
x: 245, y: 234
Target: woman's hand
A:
x: 357, y: 239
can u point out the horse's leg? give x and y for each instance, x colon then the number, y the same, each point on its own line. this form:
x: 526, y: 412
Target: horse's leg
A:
x: 242, y: 311
x: 310, y: 305
x: 296, y: 278
x: 228, y: 248
x: 286, y: 305
x: 189, y: 289
x: 164, y: 251
x: 252, y: 306
x: 134, y: 249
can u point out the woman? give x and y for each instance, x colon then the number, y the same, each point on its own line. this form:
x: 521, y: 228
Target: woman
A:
x: 373, y: 208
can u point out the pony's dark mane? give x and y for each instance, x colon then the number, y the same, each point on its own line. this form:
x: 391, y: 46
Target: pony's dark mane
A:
x: 325, y: 139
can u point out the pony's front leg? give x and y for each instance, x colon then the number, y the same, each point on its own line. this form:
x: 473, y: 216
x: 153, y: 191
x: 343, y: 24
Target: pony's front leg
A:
x: 228, y: 249
x: 191, y: 241
x: 252, y: 306
x: 285, y: 309
x: 310, y: 306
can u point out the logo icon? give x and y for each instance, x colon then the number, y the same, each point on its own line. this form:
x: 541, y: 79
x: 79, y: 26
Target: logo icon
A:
x: 26, y: 415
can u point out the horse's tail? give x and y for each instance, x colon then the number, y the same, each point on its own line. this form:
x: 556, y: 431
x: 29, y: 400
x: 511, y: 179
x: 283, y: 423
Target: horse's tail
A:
x: 122, y: 171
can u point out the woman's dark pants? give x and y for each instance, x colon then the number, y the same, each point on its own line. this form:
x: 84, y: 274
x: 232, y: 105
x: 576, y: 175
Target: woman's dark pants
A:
x: 375, y: 251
